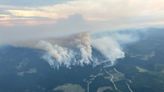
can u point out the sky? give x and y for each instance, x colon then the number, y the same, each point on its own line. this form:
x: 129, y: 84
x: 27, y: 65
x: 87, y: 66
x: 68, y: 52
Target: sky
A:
x: 28, y: 18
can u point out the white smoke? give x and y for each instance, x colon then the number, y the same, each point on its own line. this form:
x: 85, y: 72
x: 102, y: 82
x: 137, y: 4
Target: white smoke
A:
x: 109, y: 47
x: 125, y: 38
x: 60, y: 54
x: 84, y: 45
x: 78, y: 49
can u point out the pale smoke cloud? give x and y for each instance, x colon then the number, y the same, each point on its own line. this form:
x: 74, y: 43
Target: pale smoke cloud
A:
x: 79, y: 50
x: 109, y: 47
x: 59, y: 55
x: 125, y: 38
x: 84, y: 44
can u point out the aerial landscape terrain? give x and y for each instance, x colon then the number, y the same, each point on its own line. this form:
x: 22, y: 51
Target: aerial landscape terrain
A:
x: 82, y: 46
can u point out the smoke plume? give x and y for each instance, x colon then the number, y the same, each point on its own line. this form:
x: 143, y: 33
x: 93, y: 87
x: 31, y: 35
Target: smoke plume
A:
x: 109, y: 47
x: 78, y: 49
